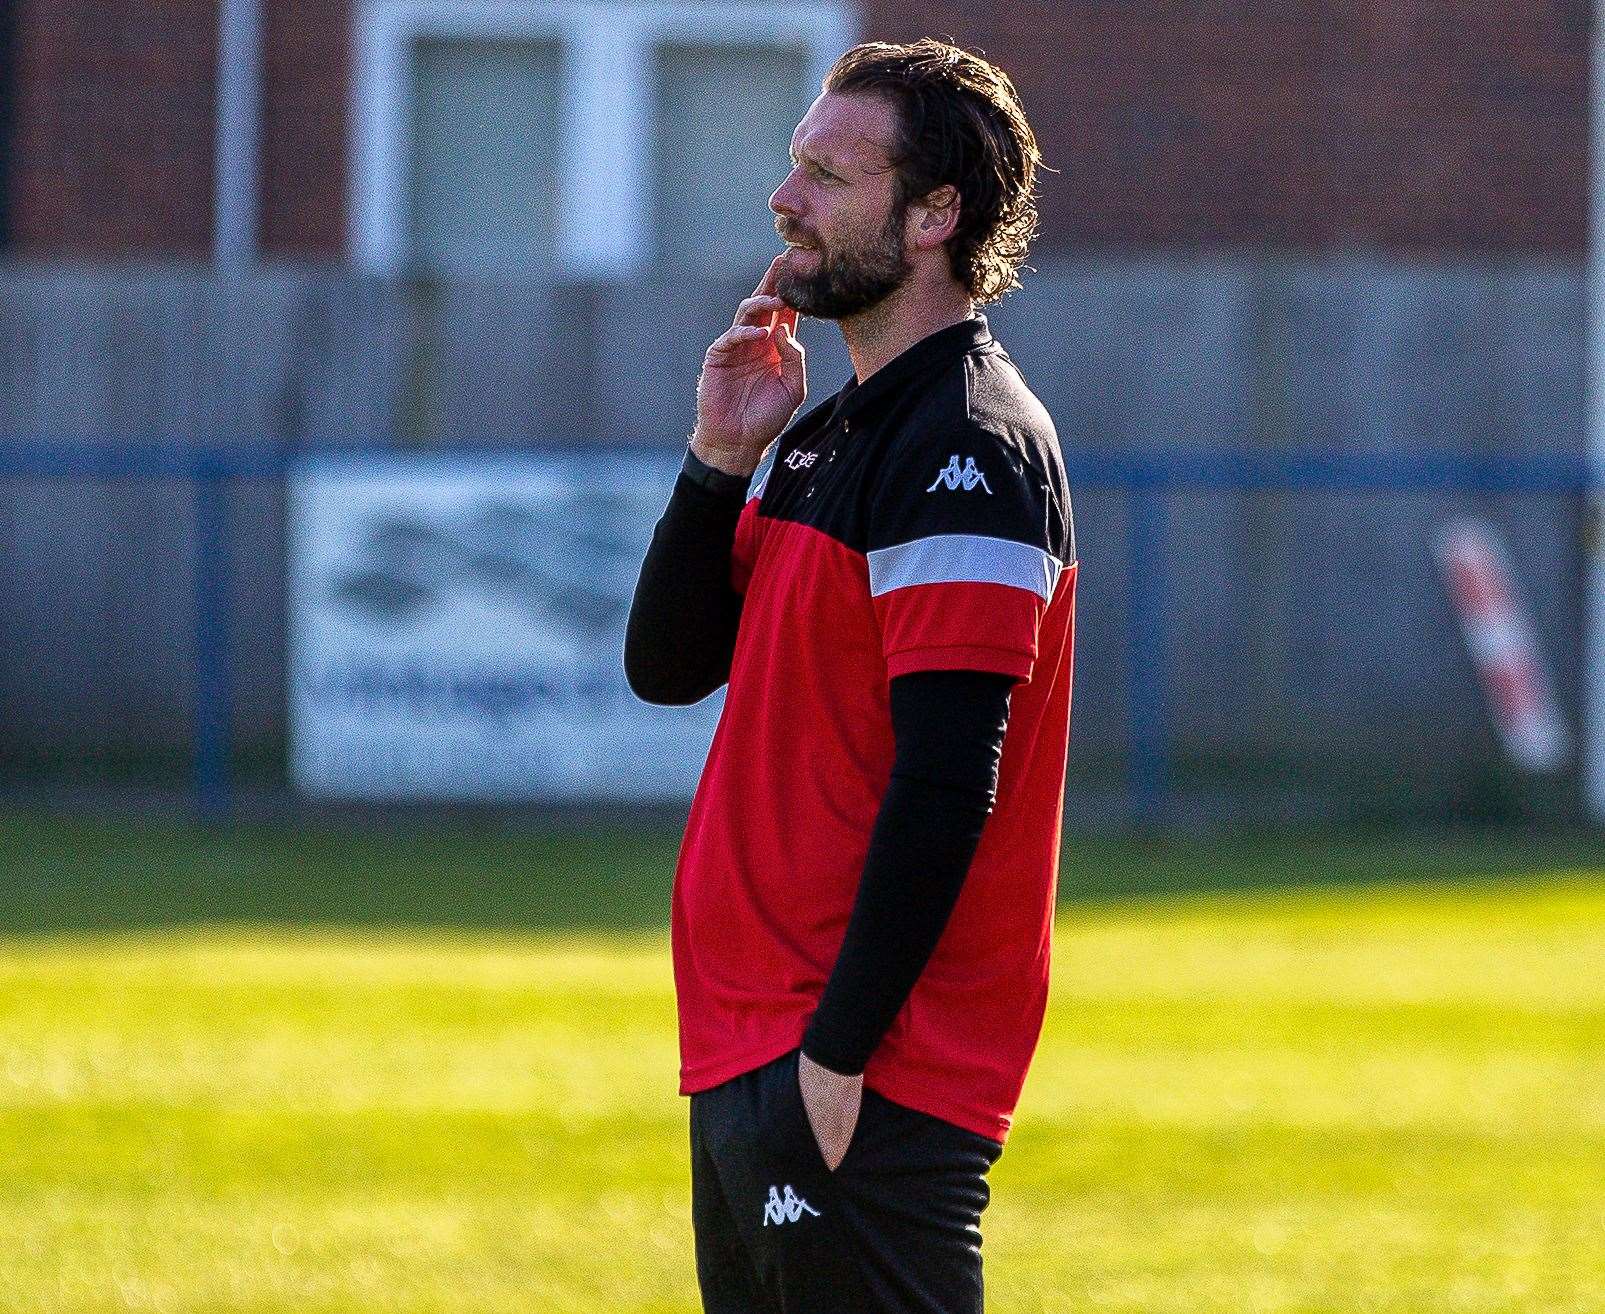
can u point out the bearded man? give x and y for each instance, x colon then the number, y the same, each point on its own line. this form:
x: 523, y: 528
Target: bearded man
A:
x: 863, y: 904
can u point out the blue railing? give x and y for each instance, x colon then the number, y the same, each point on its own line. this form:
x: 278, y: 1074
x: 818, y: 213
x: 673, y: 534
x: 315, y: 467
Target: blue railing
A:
x: 1148, y: 478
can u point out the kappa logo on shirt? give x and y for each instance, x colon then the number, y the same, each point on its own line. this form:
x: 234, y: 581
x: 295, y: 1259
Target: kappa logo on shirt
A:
x: 955, y: 478
x: 800, y: 460
x: 785, y: 1209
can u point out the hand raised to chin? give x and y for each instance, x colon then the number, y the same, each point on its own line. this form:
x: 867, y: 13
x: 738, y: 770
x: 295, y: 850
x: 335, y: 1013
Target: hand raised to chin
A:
x: 754, y: 377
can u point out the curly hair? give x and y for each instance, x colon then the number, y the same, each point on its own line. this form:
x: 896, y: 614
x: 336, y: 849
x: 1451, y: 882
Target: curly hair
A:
x: 962, y: 126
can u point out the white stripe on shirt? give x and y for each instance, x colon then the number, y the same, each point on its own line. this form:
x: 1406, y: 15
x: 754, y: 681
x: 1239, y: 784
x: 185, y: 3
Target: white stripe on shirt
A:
x: 963, y: 559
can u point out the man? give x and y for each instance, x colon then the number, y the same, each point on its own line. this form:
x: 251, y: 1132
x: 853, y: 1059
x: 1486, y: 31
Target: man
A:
x: 863, y: 904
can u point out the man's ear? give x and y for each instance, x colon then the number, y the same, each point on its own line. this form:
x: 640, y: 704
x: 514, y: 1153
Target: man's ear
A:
x: 933, y: 218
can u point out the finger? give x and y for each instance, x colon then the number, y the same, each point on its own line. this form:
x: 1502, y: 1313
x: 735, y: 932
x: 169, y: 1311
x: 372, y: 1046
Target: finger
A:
x: 738, y: 338
x: 788, y: 317
x: 758, y: 310
x: 792, y: 359
x: 766, y: 284
x: 786, y: 345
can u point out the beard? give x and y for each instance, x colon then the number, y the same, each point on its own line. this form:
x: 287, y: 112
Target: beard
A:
x: 851, y: 279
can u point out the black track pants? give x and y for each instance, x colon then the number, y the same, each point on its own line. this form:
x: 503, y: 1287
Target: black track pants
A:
x: 894, y: 1230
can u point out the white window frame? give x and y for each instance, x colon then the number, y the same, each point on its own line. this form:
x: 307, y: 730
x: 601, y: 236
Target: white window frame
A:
x: 605, y: 155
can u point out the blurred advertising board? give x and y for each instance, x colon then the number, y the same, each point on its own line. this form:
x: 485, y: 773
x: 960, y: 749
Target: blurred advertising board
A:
x: 456, y: 630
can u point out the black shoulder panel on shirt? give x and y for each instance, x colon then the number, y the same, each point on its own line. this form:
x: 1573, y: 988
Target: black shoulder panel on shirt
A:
x: 970, y: 450
x: 961, y: 479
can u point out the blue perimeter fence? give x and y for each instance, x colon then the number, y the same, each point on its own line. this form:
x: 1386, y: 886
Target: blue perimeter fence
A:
x: 1146, y: 477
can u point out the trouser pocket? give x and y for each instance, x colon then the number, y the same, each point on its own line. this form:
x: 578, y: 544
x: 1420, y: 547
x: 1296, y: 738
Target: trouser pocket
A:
x: 790, y: 1134
x: 901, y: 1215
x: 806, y: 1249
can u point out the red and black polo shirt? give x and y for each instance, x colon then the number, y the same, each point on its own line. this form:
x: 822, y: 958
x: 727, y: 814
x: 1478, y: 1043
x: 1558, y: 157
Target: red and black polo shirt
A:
x: 919, y: 521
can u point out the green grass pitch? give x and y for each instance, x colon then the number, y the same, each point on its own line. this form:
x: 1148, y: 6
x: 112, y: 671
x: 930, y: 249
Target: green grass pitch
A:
x: 433, y: 1070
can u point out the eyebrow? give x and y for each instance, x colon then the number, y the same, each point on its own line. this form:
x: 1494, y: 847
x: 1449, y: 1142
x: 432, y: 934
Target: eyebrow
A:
x: 819, y: 161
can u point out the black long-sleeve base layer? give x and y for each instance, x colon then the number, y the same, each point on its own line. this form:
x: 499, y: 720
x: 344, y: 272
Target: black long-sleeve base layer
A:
x: 948, y: 728
x: 681, y: 633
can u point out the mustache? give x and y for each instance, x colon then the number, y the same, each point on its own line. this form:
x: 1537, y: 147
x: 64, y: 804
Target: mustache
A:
x: 792, y: 233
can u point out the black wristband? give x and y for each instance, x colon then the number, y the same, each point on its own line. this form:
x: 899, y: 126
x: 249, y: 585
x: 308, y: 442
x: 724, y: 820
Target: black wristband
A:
x: 704, y: 475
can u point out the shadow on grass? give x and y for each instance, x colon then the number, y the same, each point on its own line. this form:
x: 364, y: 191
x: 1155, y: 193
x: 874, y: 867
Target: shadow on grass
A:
x: 80, y: 875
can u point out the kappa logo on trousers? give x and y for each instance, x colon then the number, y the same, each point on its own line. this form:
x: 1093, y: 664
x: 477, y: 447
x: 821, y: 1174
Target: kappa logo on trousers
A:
x: 787, y: 1209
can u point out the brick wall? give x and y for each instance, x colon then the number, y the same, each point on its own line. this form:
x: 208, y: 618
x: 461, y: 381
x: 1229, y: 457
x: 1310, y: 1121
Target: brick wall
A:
x: 113, y: 127
x: 115, y: 106
x: 1403, y: 125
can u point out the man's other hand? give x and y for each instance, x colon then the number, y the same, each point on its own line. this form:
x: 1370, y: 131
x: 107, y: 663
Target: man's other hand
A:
x: 754, y: 378
x: 832, y: 1101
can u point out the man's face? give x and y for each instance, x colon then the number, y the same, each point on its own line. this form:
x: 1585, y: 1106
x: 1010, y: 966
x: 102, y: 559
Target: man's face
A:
x: 838, y: 211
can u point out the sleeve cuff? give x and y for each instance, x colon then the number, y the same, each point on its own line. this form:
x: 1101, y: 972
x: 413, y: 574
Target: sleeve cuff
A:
x: 1001, y: 661
x: 827, y: 1058
x: 719, y: 482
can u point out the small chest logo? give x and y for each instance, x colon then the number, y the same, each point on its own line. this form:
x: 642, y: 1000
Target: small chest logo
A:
x: 955, y: 478
x: 801, y: 460
x: 785, y: 1209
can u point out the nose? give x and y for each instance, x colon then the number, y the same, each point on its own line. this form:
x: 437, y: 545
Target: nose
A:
x: 784, y: 201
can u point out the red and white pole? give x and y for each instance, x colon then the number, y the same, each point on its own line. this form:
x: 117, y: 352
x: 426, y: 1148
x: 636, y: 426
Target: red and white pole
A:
x: 1504, y: 647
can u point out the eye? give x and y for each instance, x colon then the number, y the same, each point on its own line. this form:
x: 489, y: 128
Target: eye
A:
x: 814, y: 170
